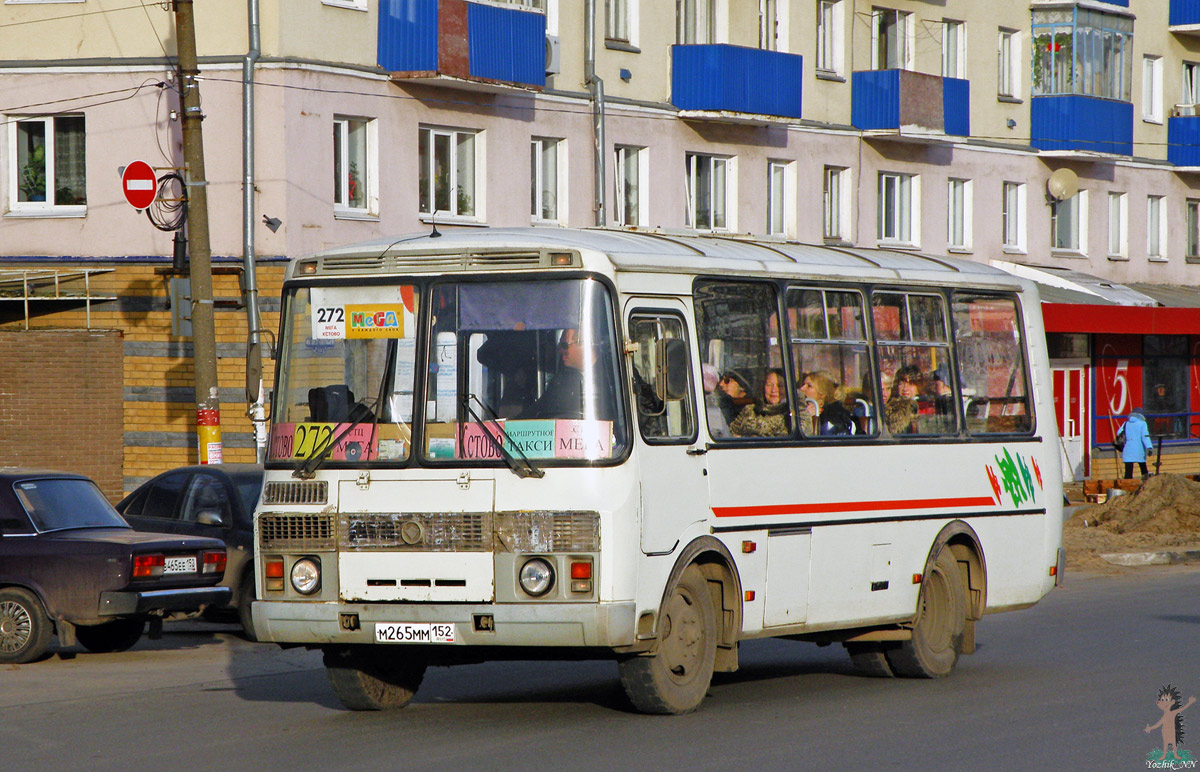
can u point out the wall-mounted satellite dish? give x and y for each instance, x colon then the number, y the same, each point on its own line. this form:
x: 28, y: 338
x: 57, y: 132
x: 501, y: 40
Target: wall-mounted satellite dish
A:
x: 1062, y: 184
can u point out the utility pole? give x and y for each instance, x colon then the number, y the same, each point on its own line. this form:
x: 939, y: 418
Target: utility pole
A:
x: 204, y: 342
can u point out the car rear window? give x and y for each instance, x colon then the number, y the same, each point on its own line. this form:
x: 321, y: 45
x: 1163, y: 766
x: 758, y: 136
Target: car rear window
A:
x: 54, y: 505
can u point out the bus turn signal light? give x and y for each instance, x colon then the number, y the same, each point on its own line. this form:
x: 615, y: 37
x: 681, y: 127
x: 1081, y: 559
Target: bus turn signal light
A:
x: 273, y: 571
x: 917, y: 578
x: 581, y: 576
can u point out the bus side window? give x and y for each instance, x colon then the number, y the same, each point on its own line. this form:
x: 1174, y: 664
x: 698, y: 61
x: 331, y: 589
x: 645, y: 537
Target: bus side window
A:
x: 663, y: 416
x: 991, y: 364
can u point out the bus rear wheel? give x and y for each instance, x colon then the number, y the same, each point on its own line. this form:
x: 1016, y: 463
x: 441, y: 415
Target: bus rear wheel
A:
x: 938, y: 627
x: 676, y: 677
x: 364, y: 680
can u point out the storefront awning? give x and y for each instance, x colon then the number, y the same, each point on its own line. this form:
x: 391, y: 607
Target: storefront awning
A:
x: 1078, y: 302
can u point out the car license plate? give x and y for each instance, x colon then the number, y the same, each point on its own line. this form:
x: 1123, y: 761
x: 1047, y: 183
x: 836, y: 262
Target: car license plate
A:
x: 393, y: 632
x: 179, y: 566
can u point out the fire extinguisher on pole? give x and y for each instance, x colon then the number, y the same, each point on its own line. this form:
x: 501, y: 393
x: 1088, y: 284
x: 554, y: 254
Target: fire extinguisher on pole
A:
x: 208, y: 429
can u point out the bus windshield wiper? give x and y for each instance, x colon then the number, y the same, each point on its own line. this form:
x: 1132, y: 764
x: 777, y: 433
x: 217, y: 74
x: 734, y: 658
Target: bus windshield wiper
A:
x: 523, y: 468
x: 305, y: 469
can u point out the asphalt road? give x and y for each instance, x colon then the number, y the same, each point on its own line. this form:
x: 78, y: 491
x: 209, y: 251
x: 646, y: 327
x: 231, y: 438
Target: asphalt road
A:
x: 1068, y: 685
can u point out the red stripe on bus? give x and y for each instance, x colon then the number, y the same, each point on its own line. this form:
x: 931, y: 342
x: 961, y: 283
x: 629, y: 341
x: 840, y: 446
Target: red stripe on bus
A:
x: 852, y: 506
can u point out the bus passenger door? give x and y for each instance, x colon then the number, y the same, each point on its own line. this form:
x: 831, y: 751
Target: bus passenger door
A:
x: 671, y: 474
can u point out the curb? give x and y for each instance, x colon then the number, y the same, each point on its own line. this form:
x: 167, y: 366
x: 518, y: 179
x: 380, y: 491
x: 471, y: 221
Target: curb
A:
x: 1151, y: 558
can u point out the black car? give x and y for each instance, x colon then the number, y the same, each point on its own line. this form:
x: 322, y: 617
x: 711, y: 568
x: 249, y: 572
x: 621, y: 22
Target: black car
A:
x: 69, y: 565
x: 215, y: 500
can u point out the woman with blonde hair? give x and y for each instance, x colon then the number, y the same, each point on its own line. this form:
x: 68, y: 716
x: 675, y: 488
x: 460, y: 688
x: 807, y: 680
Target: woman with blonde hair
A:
x: 827, y: 416
x: 769, y: 417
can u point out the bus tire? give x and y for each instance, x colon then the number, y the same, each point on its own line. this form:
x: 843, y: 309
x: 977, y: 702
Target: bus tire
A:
x: 114, y: 636
x: 675, y: 678
x: 245, y: 605
x: 870, y: 659
x: 365, y: 681
x: 24, y: 627
x: 938, y: 626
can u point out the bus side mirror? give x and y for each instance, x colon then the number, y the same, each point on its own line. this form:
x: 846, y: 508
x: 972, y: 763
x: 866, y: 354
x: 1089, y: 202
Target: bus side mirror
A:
x: 672, y: 373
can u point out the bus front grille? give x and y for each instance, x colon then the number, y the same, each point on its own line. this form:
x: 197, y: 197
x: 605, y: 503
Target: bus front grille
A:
x: 296, y: 532
x: 421, y: 532
x: 315, y: 492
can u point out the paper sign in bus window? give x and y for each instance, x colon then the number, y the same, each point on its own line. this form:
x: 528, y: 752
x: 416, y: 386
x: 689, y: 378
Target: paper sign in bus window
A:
x: 304, y: 440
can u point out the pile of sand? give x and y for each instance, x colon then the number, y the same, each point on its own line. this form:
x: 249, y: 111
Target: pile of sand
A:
x: 1164, y: 514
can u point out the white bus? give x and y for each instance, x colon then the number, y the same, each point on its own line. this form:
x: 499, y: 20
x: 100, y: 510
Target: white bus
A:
x: 548, y: 443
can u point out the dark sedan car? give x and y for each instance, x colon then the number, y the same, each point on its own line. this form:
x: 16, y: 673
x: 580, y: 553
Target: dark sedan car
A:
x: 71, y: 566
x: 215, y: 500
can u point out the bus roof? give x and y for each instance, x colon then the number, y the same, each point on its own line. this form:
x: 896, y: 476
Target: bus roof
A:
x: 654, y: 251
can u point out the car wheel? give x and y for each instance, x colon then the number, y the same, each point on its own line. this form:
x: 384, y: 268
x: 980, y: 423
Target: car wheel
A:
x: 24, y: 627
x: 245, y: 602
x: 118, y: 635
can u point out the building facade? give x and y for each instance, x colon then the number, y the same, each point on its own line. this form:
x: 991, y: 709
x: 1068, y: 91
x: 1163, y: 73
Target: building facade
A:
x: 1058, y: 138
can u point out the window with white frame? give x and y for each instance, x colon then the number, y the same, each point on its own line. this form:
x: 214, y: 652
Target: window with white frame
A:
x: 1118, y: 225
x: 1008, y: 60
x: 1152, y: 88
x: 354, y: 183
x: 616, y: 20
x: 1012, y: 215
x: 779, y: 198
x: 632, y: 170
x: 1068, y: 227
x: 708, y: 191
x: 897, y: 214
x: 830, y: 26
x: 836, y: 203
x: 891, y: 39
x: 545, y: 177
x: 447, y: 173
x: 954, y: 49
x: 1193, y: 230
x: 768, y: 25
x: 695, y: 21
x: 1190, y: 92
x: 959, y: 220
x: 1156, y: 228
x: 354, y: 5
x: 47, y: 163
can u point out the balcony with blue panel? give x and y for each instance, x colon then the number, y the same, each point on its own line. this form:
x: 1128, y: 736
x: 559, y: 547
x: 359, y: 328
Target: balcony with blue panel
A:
x: 1081, y: 124
x: 1183, y: 140
x: 1184, y: 18
x: 910, y: 104
x: 725, y: 82
x: 463, y: 44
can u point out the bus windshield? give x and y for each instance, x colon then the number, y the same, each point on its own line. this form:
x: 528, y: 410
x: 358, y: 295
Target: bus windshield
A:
x: 513, y: 368
x: 532, y: 363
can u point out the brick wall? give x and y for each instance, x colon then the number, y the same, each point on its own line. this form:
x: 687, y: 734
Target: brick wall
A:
x: 61, y: 403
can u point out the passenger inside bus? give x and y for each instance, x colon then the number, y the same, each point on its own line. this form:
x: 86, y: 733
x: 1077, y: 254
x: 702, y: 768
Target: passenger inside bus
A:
x: 824, y: 413
x: 768, y: 417
x: 905, y: 412
x: 565, y: 396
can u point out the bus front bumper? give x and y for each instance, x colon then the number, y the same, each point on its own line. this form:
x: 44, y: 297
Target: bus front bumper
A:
x: 519, y: 624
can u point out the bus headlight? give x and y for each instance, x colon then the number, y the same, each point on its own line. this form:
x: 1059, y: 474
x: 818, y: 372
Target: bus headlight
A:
x: 306, y: 576
x: 536, y: 577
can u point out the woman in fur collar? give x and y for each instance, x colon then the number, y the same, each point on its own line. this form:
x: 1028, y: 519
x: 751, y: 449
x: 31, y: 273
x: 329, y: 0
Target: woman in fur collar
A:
x: 768, y: 418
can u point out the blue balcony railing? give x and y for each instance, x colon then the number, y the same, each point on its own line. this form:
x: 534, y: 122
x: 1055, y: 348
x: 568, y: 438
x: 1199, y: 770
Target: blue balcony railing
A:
x: 736, y: 79
x: 1184, y: 13
x: 895, y: 99
x: 463, y: 40
x: 1081, y: 123
x: 1183, y: 140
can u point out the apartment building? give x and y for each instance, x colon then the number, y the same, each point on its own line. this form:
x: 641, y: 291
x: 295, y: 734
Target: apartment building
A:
x: 1058, y: 139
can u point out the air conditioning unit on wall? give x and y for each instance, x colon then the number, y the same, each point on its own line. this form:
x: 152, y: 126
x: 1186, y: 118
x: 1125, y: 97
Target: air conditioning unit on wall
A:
x: 553, y: 55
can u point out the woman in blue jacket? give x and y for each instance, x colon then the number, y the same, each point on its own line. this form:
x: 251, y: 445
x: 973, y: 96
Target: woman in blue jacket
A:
x: 1137, y: 444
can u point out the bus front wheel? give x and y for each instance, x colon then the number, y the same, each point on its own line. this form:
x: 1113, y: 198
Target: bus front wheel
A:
x: 675, y: 678
x: 364, y: 680
x: 938, y: 626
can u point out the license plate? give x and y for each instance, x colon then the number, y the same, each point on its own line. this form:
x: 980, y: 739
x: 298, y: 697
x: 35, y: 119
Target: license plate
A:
x: 179, y: 566
x: 414, y: 633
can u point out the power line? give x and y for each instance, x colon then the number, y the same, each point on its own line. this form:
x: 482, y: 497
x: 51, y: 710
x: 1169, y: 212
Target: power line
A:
x: 78, y: 15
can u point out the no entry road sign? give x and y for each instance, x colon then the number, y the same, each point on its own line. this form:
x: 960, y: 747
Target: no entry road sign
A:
x: 139, y: 184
